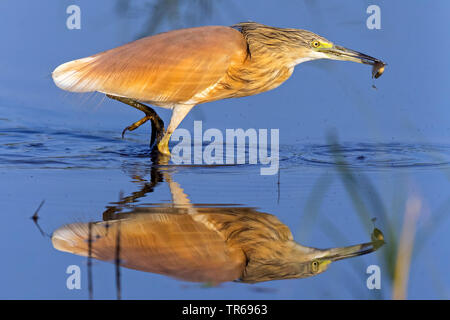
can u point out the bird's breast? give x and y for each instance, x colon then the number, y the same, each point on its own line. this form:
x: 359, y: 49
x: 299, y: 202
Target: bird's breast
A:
x: 245, y: 81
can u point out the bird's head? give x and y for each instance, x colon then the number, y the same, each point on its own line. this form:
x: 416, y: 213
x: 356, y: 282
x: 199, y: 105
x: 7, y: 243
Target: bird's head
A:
x: 293, y: 260
x: 319, y: 260
x: 317, y: 47
x: 294, y: 46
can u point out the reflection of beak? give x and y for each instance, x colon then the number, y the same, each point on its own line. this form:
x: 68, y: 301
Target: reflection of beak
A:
x: 341, y: 53
x: 336, y: 254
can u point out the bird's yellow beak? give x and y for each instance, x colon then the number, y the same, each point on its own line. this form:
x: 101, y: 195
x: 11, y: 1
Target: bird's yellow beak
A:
x: 336, y: 52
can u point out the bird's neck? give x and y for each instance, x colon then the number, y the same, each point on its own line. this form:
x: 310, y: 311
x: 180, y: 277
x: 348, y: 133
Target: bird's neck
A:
x: 258, y: 75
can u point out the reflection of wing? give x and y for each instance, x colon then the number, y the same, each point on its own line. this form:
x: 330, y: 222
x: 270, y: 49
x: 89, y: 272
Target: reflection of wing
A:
x: 193, y: 243
x: 166, y: 68
x: 172, y: 244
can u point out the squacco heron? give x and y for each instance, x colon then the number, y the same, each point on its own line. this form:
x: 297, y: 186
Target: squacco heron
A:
x: 183, y: 68
x: 202, y: 244
x: 212, y: 245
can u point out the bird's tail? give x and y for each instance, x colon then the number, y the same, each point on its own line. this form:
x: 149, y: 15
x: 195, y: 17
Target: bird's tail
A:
x: 74, y: 75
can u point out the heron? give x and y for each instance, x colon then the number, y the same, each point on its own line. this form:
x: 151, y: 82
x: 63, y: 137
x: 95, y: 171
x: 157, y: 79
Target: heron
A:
x: 202, y: 244
x: 213, y: 245
x: 183, y: 68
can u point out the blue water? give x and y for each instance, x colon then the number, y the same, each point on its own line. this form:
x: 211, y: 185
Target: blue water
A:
x: 392, y: 147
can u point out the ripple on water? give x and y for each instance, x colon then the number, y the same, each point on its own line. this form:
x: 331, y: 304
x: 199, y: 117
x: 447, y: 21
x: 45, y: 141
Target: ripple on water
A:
x: 373, y: 155
x: 65, y: 149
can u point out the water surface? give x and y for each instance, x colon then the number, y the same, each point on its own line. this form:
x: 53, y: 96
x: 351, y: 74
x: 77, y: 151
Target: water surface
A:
x: 387, y: 163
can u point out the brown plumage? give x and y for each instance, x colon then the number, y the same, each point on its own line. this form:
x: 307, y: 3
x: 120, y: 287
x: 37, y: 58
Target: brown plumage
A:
x: 199, y: 243
x: 206, y: 246
x: 187, y: 66
x: 214, y: 244
x: 182, y: 68
x: 166, y: 69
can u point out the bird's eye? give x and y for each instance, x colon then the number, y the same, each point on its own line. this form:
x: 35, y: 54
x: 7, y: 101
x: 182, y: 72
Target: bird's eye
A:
x: 315, y: 266
x: 315, y: 44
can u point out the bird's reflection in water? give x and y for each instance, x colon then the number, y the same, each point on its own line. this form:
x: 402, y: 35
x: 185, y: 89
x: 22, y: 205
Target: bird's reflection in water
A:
x: 200, y: 243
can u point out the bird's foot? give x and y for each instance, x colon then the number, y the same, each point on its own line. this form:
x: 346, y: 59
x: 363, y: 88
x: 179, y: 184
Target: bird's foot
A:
x: 135, y: 125
x: 163, y: 145
x: 150, y: 114
x: 157, y: 127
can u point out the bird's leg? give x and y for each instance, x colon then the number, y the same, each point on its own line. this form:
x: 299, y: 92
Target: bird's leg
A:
x: 150, y: 114
x: 179, y: 112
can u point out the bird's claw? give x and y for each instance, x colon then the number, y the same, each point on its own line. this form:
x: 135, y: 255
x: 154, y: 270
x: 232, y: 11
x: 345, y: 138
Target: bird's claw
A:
x: 123, y: 132
x: 135, y: 125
